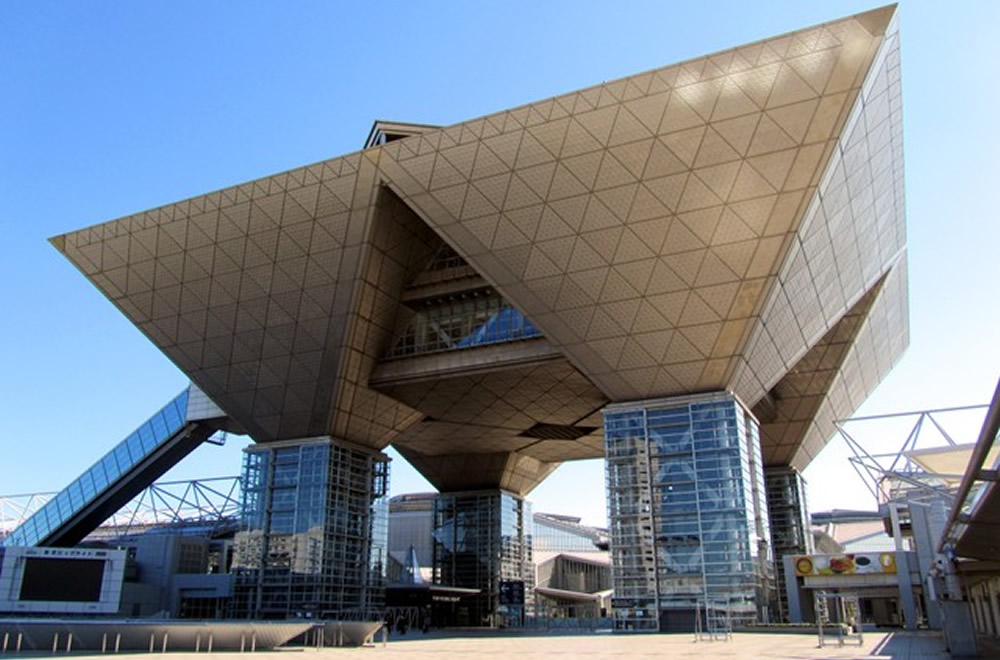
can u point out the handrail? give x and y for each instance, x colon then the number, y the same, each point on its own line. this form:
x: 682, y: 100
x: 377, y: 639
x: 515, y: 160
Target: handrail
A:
x: 987, y: 436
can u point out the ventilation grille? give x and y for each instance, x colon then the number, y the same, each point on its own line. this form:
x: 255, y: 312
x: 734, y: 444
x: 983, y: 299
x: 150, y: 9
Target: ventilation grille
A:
x: 557, y: 432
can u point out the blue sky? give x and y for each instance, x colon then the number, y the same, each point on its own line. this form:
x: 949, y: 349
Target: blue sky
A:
x: 115, y: 107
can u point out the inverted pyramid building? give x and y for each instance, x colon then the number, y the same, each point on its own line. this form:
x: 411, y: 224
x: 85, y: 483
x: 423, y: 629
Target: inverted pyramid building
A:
x: 477, y: 294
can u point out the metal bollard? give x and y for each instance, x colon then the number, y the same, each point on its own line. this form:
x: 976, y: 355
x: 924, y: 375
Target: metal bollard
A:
x: 118, y: 641
x: 163, y: 649
x: 5, y: 636
x: 253, y: 642
x: 197, y: 643
x: 55, y: 643
x: 151, y: 640
x: 69, y: 643
x: 19, y: 642
x: 211, y: 638
x: 243, y: 642
x: 104, y: 643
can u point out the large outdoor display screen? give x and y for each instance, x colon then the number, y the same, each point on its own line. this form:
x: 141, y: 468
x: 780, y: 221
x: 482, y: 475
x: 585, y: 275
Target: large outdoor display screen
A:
x: 56, y: 579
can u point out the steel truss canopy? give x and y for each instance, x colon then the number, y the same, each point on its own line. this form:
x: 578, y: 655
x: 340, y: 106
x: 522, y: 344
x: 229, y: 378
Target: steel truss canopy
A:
x: 734, y: 222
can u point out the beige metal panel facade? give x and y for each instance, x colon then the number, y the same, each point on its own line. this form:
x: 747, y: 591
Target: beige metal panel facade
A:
x: 705, y: 226
x: 458, y: 471
x: 552, y: 392
x: 835, y: 377
x: 880, y: 343
x: 248, y: 290
x: 853, y: 233
x: 641, y: 223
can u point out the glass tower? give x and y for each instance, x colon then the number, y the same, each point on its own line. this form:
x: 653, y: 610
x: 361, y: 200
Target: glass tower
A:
x: 689, y: 524
x: 482, y: 540
x: 791, y: 533
x: 314, y: 532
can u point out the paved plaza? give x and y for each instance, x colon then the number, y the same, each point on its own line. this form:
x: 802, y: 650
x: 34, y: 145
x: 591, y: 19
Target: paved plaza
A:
x: 901, y: 645
x: 880, y: 645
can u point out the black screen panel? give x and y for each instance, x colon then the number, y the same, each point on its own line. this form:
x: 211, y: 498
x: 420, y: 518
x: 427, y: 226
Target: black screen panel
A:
x: 55, y: 579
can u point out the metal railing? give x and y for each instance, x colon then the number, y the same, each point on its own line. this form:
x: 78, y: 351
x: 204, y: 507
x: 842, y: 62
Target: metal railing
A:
x: 213, y: 501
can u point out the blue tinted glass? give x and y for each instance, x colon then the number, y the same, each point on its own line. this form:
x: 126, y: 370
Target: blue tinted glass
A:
x: 508, y: 324
x: 286, y: 474
x: 111, y: 468
x: 103, y: 473
x: 171, y: 416
x: 680, y: 468
x: 134, y: 444
x: 88, y: 488
x: 670, y: 440
x: 92, y: 477
x: 283, y: 499
x: 155, y: 424
x: 122, y: 457
x: 62, y: 505
x: 148, y: 435
x: 282, y: 522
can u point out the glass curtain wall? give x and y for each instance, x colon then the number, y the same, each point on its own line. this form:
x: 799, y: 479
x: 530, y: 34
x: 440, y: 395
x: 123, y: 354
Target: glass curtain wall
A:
x: 464, y: 320
x: 686, y: 505
x: 314, y: 532
x: 482, y: 540
x: 555, y: 536
x: 791, y: 533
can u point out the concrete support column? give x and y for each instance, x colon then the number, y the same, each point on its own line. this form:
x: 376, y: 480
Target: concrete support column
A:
x: 956, y: 615
x: 925, y: 540
x: 906, y: 598
x: 796, y: 597
x: 903, y: 568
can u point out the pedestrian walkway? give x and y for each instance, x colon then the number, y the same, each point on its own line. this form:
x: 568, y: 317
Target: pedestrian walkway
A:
x: 895, y: 645
x: 900, y: 645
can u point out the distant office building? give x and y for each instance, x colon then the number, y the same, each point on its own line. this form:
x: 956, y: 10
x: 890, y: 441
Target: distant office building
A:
x: 853, y: 531
x: 572, y: 569
x: 411, y: 525
x: 572, y: 585
x: 560, y: 533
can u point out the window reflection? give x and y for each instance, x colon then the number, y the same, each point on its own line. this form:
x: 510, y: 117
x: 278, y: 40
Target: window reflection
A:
x: 466, y: 320
x: 685, y: 496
